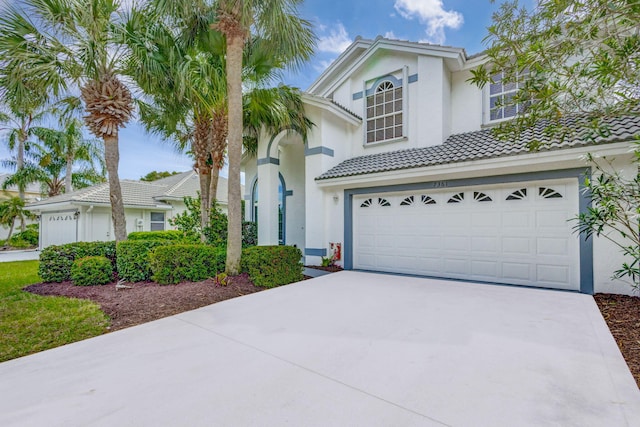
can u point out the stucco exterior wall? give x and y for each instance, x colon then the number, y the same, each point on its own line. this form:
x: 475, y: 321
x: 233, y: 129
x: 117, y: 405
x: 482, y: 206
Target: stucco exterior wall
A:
x: 466, y: 104
x: 292, y: 170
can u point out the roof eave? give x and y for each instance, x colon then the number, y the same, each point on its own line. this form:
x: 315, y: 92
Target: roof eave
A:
x: 494, y: 164
x: 327, y: 105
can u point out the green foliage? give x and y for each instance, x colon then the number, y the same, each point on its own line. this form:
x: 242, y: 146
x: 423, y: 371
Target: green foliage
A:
x: 614, y: 211
x: 249, y: 234
x: 155, y: 175
x: 91, y: 270
x: 56, y: 261
x: 271, y: 266
x: 133, y: 258
x: 327, y: 261
x: 188, y: 222
x: 221, y: 279
x: 12, y: 210
x: 32, y: 323
x: 216, y: 233
x: 175, y: 235
x: 177, y: 263
x: 29, y: 237
x: 580, y: 57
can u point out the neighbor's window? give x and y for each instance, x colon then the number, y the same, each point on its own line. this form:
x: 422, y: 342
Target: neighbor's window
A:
x: 501, y: 94
x: 157, y: 221
x: 384, y: 112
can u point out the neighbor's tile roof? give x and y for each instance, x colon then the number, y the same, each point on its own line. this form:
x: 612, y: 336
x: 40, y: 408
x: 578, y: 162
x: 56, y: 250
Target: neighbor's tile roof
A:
x: 140, y: 193
x: 475, y: 146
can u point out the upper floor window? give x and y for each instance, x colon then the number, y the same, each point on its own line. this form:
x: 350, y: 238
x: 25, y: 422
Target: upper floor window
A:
x: 502, y: 92
x: 384, y: 112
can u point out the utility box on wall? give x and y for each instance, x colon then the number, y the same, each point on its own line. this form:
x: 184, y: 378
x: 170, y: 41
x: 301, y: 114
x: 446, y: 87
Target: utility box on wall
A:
x: 335, y: 250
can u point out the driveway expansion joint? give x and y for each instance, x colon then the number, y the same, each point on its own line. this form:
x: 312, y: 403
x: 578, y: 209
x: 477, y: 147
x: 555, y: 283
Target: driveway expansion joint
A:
x: 311, y: 371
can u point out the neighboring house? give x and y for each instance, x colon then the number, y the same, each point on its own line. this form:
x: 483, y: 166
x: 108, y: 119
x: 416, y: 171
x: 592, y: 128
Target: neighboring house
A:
x: 32, y: 193
x: 402, y: 171
x: 85, y: 215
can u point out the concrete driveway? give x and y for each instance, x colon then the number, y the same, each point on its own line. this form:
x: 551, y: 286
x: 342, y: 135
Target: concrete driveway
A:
x: 352, y: 349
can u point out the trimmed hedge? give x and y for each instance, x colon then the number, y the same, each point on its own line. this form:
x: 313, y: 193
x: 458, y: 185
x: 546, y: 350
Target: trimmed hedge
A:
x: 91, y: 270
x: 56, y: 261
x: 175, y: 235
x: 133, y: 258
x: 28, y: 236
x: 271, y: 266
x: 177, y: 263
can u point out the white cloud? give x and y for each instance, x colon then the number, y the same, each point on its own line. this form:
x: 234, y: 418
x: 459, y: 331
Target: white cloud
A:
x: 432, y: 14
x: 390, y: 35
x: 320, y: 66
x: 335, y: 40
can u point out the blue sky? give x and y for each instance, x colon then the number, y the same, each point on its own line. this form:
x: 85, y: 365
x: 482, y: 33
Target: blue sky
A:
x: 459, y: 23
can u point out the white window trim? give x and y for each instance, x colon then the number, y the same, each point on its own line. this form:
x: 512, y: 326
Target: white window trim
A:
x: 486, y: 108
x: 164, y: 221
x: 405, y: 104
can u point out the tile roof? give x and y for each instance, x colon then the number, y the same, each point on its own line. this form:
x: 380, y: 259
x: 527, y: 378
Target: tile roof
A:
x: 140, y: 193
x: 475, y: 146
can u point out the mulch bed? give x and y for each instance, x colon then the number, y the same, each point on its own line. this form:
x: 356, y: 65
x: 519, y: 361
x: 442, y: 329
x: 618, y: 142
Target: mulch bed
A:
x: 622, y: 314
x: 331, y: 268
x: 147, y: 301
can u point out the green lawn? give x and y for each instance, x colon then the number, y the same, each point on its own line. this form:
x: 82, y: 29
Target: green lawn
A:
x: 31, y: 323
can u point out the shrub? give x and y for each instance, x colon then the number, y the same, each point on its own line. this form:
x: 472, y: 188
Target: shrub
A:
x: 19, y: 243
x: 216, y: 233
x: 56, y: 261
x: 29, y: 237
x: 271, y: 266
x: 91, y: 270
x: 249, y: 234
x: 133, y: 258
x: 177, y: 263
x: 175, y: 235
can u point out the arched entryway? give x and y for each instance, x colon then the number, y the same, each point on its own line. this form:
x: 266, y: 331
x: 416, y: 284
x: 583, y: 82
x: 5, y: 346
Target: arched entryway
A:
x: 282, y: 207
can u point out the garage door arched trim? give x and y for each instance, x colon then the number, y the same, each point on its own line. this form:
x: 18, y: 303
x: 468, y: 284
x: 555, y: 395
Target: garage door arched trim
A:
x: 585, y: 245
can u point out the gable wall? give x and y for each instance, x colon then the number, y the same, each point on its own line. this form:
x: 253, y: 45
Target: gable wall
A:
x: 466, y: 104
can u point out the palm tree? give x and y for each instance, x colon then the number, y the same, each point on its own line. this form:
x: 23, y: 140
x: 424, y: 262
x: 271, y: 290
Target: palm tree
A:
x: 71, y: 146
x: 10, y: 210
x: 180, y: 79
x: 287, y: 37
x: 52, y: 162
x: 179, y: 62
x: 19, y: 124
x: 57, y: 45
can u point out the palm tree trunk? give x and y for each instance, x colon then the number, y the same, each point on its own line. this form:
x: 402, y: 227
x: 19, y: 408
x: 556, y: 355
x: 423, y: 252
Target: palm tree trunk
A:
x: 19, y: 166
x: 13, y: 223
x: 205, y: 202
x: 213, y: 186
x: 235, y: 44
x: 112, y: 159
x: 68, y: 188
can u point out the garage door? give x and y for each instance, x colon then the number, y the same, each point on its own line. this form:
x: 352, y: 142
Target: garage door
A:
x: 58, y: 228
x: 516, y: 234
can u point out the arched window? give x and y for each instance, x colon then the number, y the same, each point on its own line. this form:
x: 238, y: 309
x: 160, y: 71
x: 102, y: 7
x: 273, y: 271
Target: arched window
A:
x: 384, y: 112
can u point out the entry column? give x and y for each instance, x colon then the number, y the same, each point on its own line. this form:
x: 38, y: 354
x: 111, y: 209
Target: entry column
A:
x: 268, y: 183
